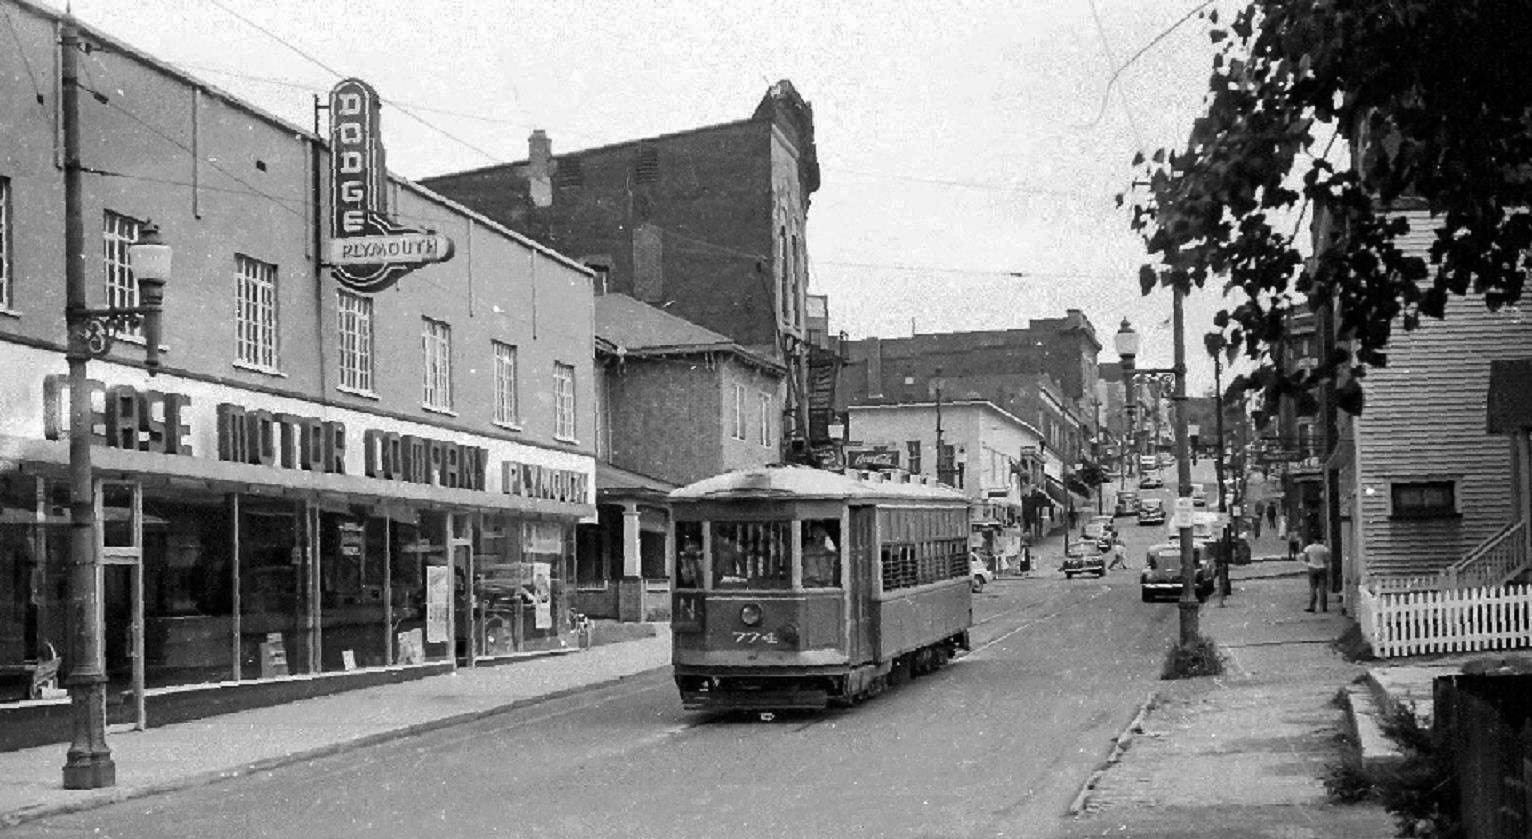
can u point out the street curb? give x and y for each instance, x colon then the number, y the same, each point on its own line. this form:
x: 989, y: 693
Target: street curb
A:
x: 1119, y: 745
x: 208, y: 778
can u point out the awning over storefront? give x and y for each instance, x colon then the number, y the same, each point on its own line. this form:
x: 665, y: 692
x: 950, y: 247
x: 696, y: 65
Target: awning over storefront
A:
x: 613, y: 482
x: 1055, y: 489
x: 1510, y: 395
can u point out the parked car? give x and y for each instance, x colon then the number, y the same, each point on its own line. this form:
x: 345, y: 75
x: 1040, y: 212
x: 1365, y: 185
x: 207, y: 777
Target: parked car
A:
x: 1100, y: 531
x: 980, y: 573
x: 1083, y: 558
x: 1199, y: 495
x: 1151, y: 482
x: 1148, y: 461
x: 1127, y: 503
x: 1161, y: 577
x: 1151, y: 511
x: 1205, y: 527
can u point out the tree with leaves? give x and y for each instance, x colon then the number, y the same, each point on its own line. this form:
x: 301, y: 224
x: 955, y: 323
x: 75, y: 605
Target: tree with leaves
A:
x: 1430, y: 104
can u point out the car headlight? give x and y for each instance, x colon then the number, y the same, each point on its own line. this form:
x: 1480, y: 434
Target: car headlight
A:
x: 750, y: 614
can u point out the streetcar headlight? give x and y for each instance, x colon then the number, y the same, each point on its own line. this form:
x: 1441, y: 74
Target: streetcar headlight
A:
x: 750, y: 614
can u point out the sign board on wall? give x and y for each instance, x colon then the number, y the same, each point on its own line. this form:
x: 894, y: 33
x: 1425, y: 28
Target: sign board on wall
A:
x: 438, y: 590
x: 170, y: 419
x: 369, y: 251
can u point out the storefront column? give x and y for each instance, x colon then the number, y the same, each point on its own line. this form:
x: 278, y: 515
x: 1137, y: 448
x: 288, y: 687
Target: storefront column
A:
x: 630, y: 589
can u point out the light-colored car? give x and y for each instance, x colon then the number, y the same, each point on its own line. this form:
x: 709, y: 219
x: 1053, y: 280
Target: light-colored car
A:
x: 1127, y: 502
x: 1151, y: 511
x: 1151, y: 482
x: 1148, y: 461
x: 1099, y: 530
x: 1199, y: 495
x: 979, y: 573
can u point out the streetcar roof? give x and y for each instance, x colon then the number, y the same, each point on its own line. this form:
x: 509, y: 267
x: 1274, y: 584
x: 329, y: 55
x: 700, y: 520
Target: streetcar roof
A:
x: 783, y: 482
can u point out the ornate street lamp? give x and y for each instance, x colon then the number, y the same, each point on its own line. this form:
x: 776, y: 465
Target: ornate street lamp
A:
x: 91, y: 333
x: 1126, y: 343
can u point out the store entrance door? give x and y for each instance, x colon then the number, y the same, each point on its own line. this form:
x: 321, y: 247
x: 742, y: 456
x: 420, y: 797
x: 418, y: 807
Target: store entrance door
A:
x: 119, y: 513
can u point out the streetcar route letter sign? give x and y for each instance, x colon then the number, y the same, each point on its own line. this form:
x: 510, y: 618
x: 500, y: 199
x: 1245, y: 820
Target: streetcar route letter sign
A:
x: 368, y: 250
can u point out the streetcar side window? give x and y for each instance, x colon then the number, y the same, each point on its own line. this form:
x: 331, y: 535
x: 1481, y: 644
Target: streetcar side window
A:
x: 752, y: 554
x: 688, y: 554
x: 821, y: 553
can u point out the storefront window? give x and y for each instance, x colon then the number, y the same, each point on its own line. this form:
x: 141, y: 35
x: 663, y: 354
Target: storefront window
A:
x: 188, y: 589
x: 422, y: 589
x: 34, y: 549
x: 498, y: 591
x: 273, y: 608
x: 549, y: 556
x: 352, y: 554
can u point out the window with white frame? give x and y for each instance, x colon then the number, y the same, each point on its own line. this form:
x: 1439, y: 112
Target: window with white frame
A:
x: 739, y: 412
x: 564, y: 401
x: 7, y: 277
x: 765, y: 419
x: 255, y: 312
x: 506, y: 409
x: 354, y: 325
x: 436, y: 358
x: 117, y: 233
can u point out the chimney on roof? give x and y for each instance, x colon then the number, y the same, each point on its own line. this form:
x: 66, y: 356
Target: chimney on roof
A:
x: 539, y: 168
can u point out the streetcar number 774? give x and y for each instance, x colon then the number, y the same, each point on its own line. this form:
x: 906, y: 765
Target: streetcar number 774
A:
x: 755, y: 637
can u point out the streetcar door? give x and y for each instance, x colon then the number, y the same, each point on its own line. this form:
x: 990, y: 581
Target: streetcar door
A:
x: 864, y: 564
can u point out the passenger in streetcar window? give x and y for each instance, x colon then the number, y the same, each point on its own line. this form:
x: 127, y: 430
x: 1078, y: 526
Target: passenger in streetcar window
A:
x: 689, y: 565
x: 821, y: 558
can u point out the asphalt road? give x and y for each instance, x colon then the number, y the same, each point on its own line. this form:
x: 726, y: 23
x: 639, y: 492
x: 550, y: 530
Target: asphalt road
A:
x: 998, y: 743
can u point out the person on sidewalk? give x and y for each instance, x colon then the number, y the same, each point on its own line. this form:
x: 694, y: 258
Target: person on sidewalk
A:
x: 1316, y: 558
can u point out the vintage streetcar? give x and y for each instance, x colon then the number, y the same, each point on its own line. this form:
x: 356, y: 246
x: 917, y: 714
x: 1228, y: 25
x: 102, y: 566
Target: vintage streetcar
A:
x: 801, y: 588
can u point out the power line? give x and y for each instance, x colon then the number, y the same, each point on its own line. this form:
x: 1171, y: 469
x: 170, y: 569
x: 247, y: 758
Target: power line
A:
x: 1112, y: 80
x: 339, y: 75
x: 1106, y: 48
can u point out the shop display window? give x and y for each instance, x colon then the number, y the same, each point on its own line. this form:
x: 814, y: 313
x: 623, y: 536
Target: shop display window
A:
x: 272, y: 589
x: 353, y: 553
x: 188, y: 588
x: 421, y: 588
x: 34, y: 586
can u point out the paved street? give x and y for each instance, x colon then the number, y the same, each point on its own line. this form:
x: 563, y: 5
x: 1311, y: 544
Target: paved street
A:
x: 1012, y: 739
x: 997, y: 744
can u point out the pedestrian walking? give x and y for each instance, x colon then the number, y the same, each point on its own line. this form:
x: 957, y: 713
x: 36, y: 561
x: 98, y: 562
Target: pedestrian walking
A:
x: 1316, y: 558
x: 1119, y: 560
x: 1260, y: 513
x: 1271, y: 515
x: 1293, y: 544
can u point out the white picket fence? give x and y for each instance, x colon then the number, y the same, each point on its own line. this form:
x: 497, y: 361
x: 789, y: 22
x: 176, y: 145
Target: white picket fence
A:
x: 1400, y: 622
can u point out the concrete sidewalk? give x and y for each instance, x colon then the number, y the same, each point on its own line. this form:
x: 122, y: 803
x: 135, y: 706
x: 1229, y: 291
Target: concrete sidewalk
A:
x: 200, y: 751
x: 1244, y: 754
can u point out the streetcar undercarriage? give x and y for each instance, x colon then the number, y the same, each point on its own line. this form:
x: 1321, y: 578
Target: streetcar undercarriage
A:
x: 796, y: 688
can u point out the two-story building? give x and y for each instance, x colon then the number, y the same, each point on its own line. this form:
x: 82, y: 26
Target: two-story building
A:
x: 677, y: 402
x: 350, y: 482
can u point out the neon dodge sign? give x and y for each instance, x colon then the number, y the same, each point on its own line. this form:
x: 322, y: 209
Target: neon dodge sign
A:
x: 368, y: 250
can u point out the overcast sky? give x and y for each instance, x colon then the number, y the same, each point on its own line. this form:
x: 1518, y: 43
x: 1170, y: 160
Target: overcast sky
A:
x: 958, y: 141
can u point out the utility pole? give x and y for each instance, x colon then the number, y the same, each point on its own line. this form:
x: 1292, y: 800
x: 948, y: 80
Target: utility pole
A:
x: 942, y: 470
x: 1218, y: 423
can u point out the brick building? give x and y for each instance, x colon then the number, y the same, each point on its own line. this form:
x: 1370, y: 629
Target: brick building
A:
x: 1045, y: 374
x: 710, y: 223
x: 312, y: 466
x: 675, y: 403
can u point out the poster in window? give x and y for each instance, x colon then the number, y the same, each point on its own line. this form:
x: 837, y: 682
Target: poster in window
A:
x: 542, y: 591
x: 438, y: 589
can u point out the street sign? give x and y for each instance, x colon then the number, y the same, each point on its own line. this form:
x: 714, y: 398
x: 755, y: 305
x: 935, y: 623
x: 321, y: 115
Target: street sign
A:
x: 1183, y: 514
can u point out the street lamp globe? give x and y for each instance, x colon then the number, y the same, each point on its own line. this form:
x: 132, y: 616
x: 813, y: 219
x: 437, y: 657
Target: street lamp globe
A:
x: 1126, y: 341
x: 150, y: 260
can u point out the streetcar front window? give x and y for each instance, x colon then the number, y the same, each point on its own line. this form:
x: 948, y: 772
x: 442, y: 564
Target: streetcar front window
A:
x: 821, y: 553
x: 752, y: 554
x: 688, y: 554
